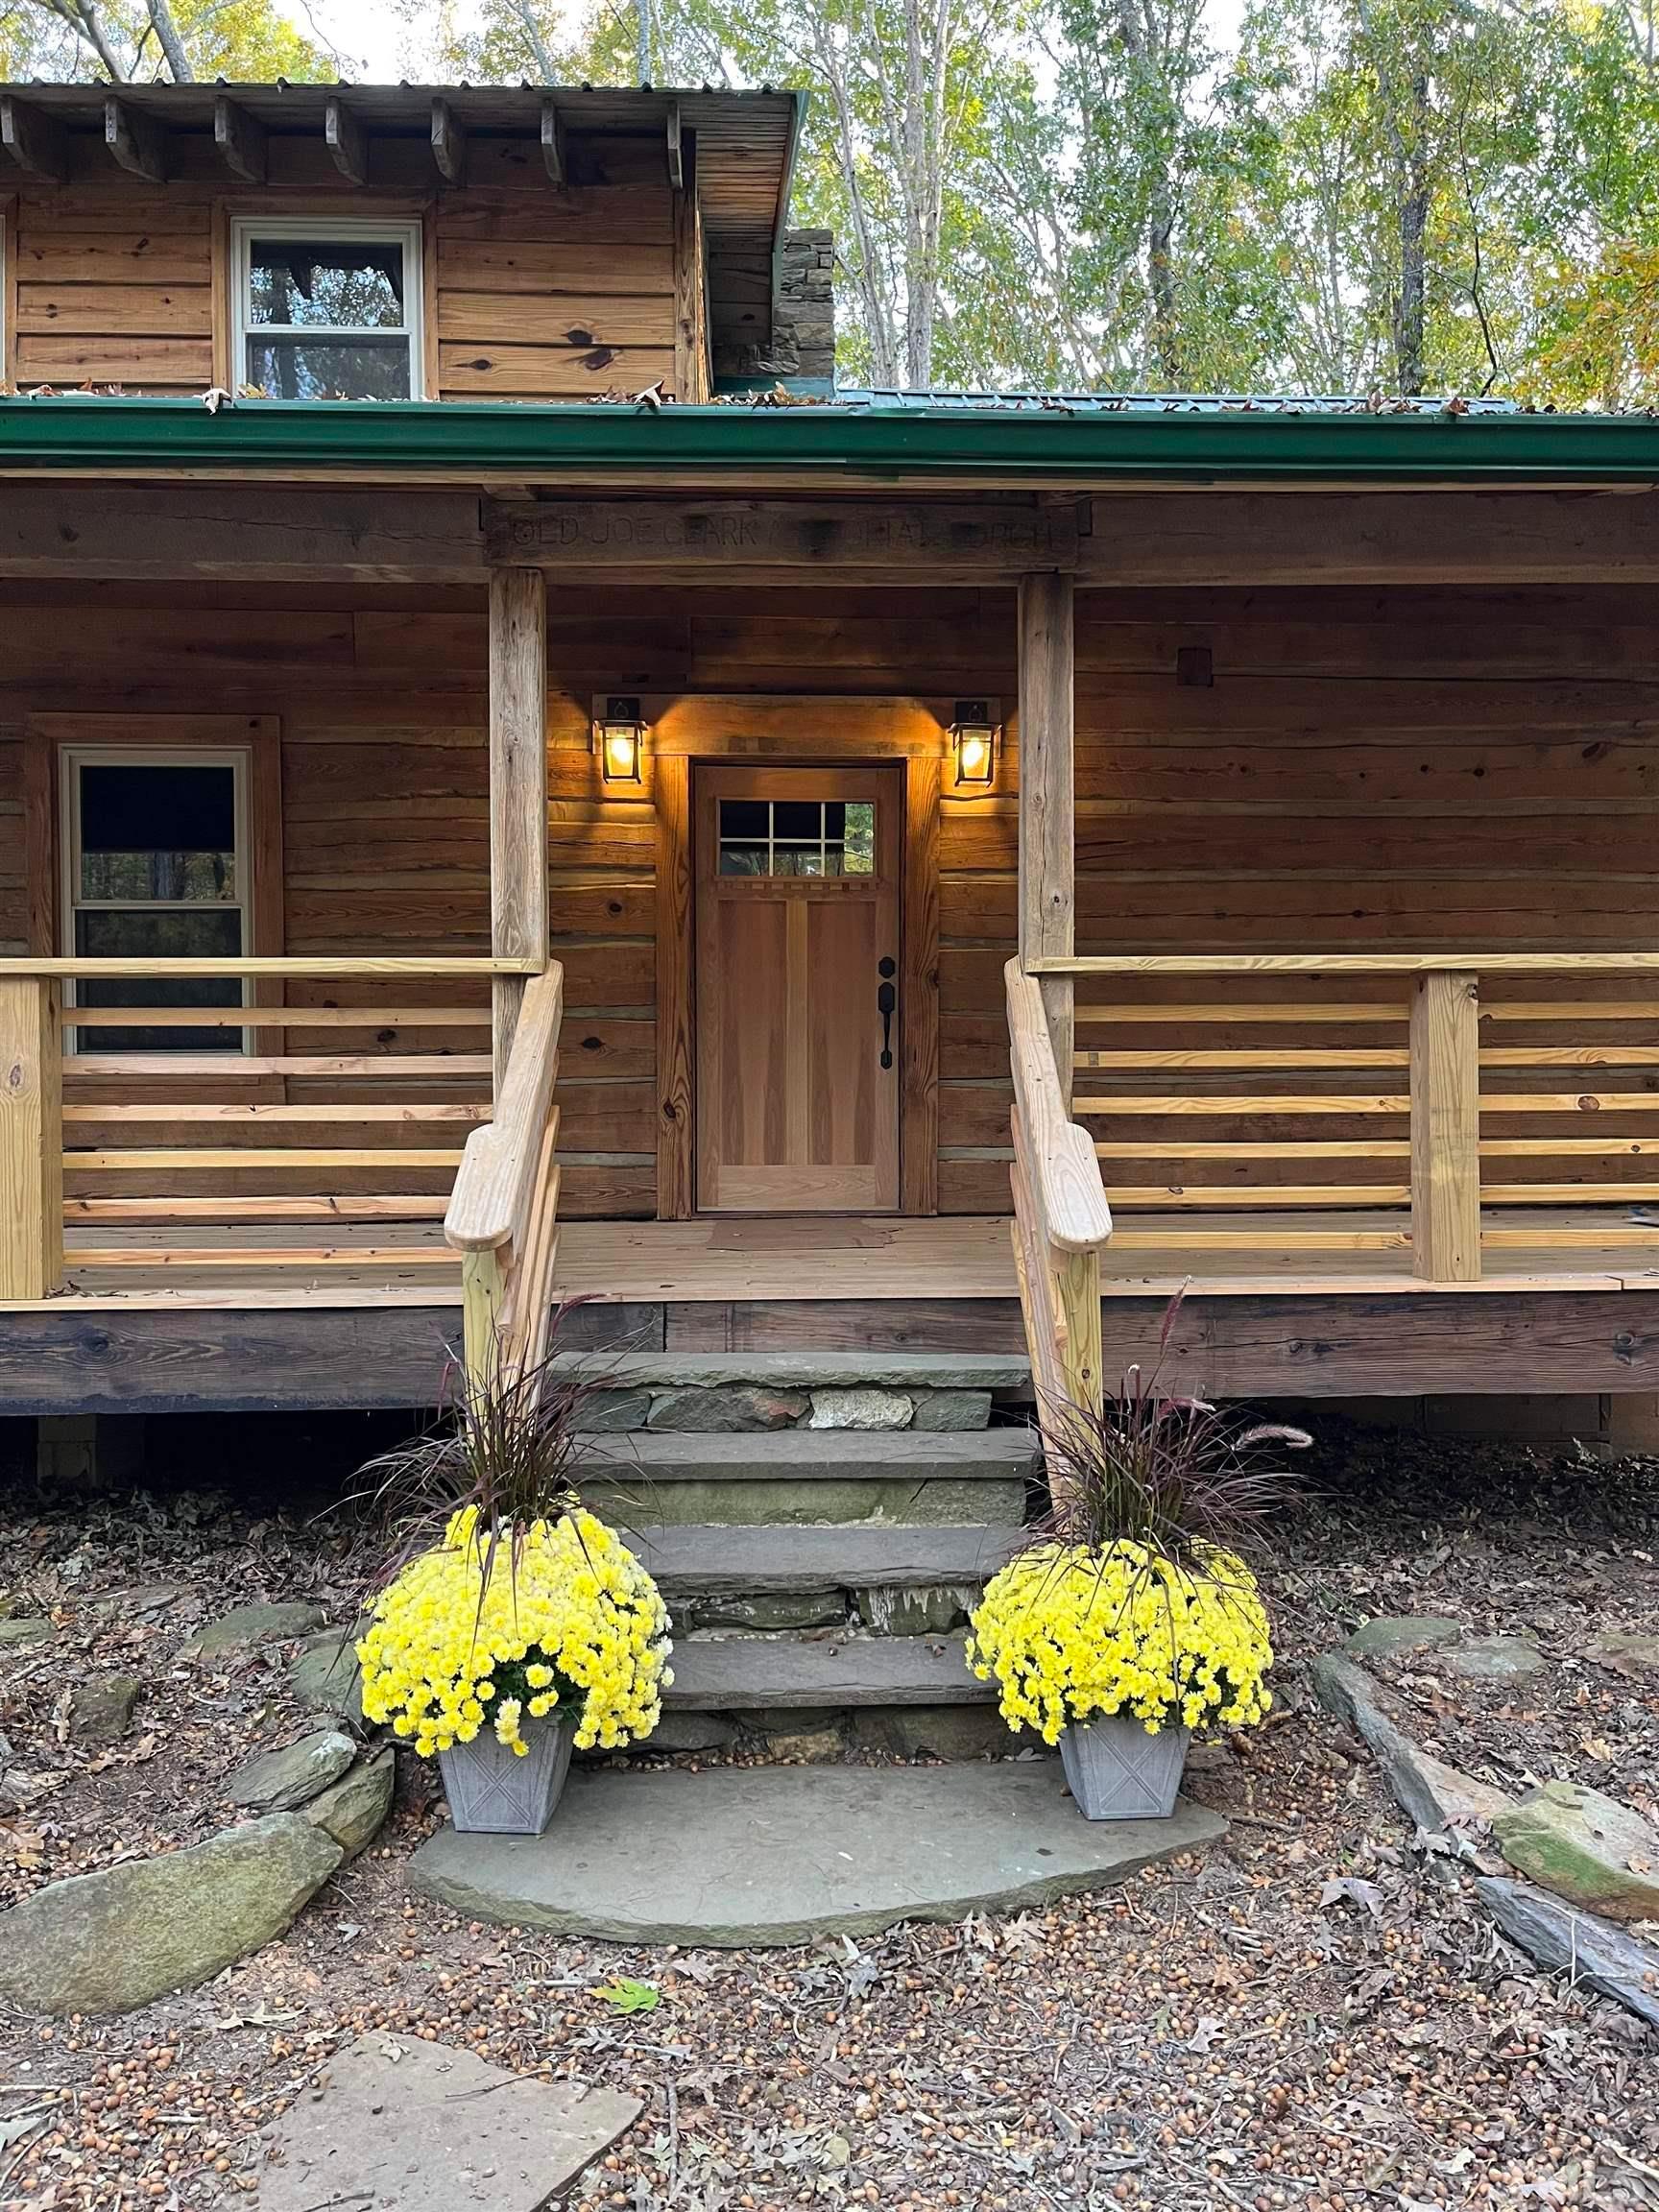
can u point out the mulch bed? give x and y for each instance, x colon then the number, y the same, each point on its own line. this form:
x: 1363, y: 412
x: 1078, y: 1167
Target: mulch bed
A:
x: 1316, y: 2016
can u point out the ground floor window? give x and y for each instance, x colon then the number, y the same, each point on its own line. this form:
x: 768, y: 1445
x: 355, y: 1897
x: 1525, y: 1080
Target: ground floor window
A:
x: 154, y: 852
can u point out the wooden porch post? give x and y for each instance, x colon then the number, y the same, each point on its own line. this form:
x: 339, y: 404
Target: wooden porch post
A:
x: 518, y: 787
x: 1048, y: 814
x: 1446, y: 1129
x: 31, y: 1139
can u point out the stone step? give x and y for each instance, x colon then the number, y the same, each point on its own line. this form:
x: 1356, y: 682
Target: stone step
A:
x: 752, y: 1673
x: 1003, y: 1374
x: 780, y: 1855
x: 692, y: 1559
x: 813, y: 1454
x: 798, y: 1475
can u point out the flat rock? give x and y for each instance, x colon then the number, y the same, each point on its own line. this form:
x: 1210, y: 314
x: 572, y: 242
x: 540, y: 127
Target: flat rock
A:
x: 950, y: 1410
x: 101, y: 1711
x: 396, y: 2125
x: 113, y: 1940
x: 28, y: 1629
x: 248, y: 1625
x: 1590, y: 1850
x: 282, y: 1781
x: 769, y: 1610
x: 1591, y: 1950
x: 777, y: 1855
x: 326, y: 1678
x: 355, y: 1808
x: 690, y: 1732
x: 727, y: 1411
x: 811, y: 1746
x: 860, y: 1408
x: 1494, y: 1659
x: 1436, y: 1796
x: 801, y: 1370
x: 607, y: 1411
x: 1392, y: 1635
x: 1623, y: 1653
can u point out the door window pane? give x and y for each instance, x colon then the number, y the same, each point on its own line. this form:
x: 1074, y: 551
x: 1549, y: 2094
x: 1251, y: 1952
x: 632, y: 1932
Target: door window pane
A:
x: 797, y: 837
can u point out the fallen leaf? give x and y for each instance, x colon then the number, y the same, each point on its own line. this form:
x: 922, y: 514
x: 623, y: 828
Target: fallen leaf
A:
x: 1348, y: 1890
x: 626, y: 1995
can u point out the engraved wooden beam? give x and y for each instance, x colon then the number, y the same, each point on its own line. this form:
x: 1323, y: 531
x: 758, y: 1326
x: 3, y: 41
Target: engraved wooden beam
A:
x: 553, y: 142
x: 240, y: 139
x: 906, y: 540
x: 137, y: 142
x: 36, y: 141
x: 344, y: 137
x: 448, y: 144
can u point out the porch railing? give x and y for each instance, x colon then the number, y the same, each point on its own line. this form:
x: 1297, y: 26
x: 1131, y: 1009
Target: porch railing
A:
x: 502, y: 1218
x: 344, y: 1107
x: 1446, y: 1086
x: 1060, y: 1219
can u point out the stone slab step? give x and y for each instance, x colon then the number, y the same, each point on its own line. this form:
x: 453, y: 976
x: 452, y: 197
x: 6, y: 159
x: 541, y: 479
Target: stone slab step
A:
x: 806, y: 1370
x: 780, y: 1855
x: 722, y: 1561
x: 794, y: 1673
x: 811, y: 1455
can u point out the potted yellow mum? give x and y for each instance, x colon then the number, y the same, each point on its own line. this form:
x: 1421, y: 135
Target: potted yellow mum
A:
x: 528, y: 1629
x: 1131, y: 1617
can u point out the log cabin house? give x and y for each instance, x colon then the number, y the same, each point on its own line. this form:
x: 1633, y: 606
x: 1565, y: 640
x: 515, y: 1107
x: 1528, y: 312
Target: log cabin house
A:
x: 774, y: 826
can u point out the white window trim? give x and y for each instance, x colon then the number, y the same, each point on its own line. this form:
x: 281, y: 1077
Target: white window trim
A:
x: 245, y: 229
x: 71, y: 760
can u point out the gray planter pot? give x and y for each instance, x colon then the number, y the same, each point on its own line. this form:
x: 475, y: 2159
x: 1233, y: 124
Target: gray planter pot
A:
x: 493, y: 1792
x: 1117, y: 1772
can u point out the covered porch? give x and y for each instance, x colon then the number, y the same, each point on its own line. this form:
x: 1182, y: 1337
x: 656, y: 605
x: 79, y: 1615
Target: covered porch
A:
x: 1315, y: 836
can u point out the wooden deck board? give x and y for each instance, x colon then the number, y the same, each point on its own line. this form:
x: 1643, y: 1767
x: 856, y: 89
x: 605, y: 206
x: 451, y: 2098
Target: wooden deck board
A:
x: 1352, y: 1253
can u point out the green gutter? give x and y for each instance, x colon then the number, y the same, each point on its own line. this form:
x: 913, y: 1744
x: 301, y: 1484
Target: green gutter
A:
x: 846, y: 445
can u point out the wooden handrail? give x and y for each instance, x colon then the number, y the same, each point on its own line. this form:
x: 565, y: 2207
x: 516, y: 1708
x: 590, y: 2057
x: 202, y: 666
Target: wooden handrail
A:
x: 273, y: 965
x: 501, y: 1213
x: 1347, y: 964
x: 1061, y: 1217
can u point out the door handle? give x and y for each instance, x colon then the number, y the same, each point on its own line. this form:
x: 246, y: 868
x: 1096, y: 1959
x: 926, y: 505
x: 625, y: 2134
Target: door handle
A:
x: 886, y: 998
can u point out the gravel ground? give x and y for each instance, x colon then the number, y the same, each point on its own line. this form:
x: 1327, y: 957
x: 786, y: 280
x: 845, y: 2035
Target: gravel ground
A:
x: 1315, y: 2016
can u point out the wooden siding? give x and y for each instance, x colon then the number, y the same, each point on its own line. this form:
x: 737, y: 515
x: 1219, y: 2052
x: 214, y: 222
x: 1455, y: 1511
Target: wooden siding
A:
x: 531, y: 293
x: 1367, y: 768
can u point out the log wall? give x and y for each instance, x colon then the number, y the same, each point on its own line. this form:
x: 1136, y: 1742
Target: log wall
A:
x: 529, y: 293
x: 1363, y: 769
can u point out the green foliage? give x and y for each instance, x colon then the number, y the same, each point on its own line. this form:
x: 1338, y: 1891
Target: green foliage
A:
x: 1355, y: 194
x: 247, y: 41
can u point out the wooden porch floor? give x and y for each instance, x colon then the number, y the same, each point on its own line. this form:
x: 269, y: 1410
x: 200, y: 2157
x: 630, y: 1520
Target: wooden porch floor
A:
x: 799, y: 1258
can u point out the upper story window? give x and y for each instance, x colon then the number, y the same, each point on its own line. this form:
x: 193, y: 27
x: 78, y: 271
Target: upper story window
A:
x: 328, y: 310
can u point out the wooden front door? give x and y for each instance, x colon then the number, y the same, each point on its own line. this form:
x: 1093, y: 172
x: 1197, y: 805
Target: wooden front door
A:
x: 798, y: 1011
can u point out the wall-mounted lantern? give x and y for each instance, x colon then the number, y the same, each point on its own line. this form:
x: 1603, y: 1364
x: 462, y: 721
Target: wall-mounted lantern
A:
x: 619, y: 740
x: 973, y: 738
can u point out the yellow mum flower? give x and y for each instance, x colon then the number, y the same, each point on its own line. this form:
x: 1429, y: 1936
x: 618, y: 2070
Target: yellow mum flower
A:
x: 1067, y: 1633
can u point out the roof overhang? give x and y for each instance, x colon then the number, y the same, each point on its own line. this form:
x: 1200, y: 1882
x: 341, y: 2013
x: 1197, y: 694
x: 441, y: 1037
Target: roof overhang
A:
x: 852, y: 447
x: 746, y: 140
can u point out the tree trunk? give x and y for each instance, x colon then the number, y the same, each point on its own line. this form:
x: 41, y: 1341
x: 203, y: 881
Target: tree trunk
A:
x: 172, y: 45
x: 1410, y: 312
x: 1161, y: 277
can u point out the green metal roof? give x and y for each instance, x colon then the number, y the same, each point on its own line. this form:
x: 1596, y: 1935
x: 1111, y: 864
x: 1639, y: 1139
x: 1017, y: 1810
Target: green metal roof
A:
x: 877, y: 439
